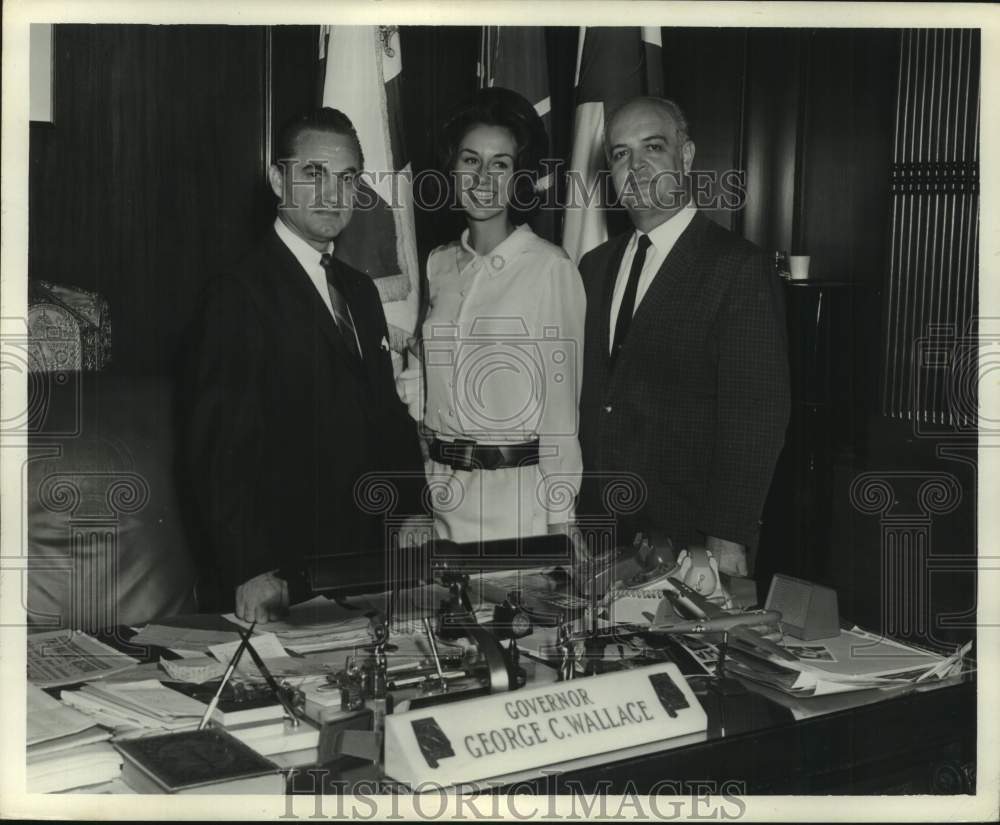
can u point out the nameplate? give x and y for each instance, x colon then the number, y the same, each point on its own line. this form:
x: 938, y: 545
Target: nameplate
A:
x: 508, y: 734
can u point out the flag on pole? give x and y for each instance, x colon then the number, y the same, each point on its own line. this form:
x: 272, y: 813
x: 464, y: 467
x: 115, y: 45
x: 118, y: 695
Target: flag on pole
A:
x: 612, y: 66
x: 363, y: 79
x: 515, y: 58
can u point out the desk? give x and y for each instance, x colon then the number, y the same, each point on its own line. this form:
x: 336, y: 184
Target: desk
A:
x: 919, y: 743
x: 904, y: 741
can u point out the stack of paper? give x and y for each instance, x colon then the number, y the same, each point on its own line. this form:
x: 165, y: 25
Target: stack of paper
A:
x: 318, y: 624
x: 52, y: 726
x: 183, y: 638
x: 282, y: 736
x: 87, y: 765
x: 136, y: 708
x: 266, y: 645
x: 65, y: 657
x: 57, y: 735
x: 855, y: 660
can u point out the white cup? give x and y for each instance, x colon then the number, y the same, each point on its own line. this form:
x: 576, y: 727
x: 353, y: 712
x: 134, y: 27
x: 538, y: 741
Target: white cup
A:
x: 798, y: 266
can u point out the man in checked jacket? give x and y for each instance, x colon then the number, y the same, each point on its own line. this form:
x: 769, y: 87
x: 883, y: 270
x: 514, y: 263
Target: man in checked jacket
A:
x: 685, y: 358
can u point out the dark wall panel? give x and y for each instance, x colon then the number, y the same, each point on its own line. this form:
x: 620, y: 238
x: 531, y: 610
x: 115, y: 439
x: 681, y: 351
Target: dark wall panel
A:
x: 704, y: 72
x: 152, y: 177
x: 771, y: 129
x: 847, y: 152
x: 439, y: 74
x: 842, y: 216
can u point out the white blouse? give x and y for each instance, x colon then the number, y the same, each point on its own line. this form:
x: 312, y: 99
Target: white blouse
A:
x: 503, y: 362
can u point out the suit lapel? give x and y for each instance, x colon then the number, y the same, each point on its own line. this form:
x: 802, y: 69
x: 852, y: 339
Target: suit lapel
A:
x: 676, y: 266
x: 305, y: 293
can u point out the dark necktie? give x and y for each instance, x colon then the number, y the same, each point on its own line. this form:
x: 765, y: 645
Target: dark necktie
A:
x: 338, y: 300
x: 627, y: 308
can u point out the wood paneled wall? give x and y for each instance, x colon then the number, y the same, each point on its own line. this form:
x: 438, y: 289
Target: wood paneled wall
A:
x: 152, y: 178
x: 807, y: 115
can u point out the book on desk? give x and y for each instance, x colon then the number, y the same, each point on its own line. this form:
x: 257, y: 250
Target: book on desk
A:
x: 209, y: 761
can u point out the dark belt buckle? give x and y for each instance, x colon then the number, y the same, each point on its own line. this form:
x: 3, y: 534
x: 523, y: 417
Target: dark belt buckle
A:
x: 459, y: 454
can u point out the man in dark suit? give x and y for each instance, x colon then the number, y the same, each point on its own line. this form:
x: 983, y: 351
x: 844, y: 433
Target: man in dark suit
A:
x: 288, y: 398
x: 685, y: 359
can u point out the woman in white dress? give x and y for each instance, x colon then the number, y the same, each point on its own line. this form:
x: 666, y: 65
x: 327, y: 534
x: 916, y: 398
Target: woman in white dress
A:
x: 502, y: 344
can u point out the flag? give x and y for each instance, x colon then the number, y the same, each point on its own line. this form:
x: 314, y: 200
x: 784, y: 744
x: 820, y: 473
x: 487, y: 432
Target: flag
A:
x: 515, y: 58
x: 612, y: 66
x: 363, y: 79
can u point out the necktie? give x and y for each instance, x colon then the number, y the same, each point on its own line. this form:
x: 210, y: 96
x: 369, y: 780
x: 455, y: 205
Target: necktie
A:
x: 627, y: 308
x: 338, y: 300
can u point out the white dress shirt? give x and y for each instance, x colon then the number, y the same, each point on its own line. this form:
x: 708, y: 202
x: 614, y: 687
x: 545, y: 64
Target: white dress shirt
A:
x: 662, y: 240
x: 503, y: 361
x: 308, y: 258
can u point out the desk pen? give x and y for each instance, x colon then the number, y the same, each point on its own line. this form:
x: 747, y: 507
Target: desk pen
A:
x: 245, y: 640
x: 271, y: 683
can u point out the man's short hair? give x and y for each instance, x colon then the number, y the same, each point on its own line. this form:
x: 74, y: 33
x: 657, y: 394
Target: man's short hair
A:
x: 326, y: 119
x: 664, y: 105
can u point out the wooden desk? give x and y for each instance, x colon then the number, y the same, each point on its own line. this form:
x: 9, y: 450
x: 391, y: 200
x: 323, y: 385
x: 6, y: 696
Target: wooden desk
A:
x: 912, y: 744
x: 918, y: 742
x: 907, y: 741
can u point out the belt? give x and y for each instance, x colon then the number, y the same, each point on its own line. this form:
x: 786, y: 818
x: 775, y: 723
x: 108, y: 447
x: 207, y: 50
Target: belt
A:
x: 468, y: 455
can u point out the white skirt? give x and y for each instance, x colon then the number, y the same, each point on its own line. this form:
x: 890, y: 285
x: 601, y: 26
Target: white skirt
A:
x: 483, y: 505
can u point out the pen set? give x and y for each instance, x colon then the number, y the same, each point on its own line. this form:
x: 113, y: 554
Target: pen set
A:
x: 246, y: 645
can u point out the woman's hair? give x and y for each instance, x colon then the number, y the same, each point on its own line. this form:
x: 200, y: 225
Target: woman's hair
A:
x: 501, y: 107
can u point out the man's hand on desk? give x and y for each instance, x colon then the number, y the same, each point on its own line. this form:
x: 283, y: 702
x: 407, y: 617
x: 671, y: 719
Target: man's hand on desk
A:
x: 731, y: 556
x: 263, y: 598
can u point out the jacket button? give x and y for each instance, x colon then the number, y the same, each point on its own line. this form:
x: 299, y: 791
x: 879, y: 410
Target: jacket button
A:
x: 607, y: 409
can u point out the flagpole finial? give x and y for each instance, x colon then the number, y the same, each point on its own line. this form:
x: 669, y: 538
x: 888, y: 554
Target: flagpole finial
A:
x: 385, y: 34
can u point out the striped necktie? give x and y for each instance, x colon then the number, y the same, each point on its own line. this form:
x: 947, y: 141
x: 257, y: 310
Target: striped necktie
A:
x: 341, y: 311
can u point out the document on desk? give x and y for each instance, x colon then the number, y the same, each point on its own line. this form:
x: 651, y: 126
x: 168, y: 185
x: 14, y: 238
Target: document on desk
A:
x: 149, y: 697
x: 305, y: 618
x: 318, y: 624
x: 61, y: 771
x: 266, y: 645
x: 136, y: 707
x: 48, y: 718
x: 859, y: 655
x: 854, y: 660
x: 183, y: 638
x: 65, y: 657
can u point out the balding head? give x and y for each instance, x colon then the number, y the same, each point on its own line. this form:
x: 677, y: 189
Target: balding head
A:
x: 650, y: 155
x: 667, y: 108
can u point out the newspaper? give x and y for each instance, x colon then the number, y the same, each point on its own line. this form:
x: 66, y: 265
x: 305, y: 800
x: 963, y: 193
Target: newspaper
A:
x: 65, y: 657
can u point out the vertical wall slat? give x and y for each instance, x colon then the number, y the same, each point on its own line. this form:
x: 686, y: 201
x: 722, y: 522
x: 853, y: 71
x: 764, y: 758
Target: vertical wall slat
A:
x: 933, y: 264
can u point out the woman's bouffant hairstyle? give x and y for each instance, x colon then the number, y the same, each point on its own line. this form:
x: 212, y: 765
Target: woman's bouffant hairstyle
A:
x: 501, y: 107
